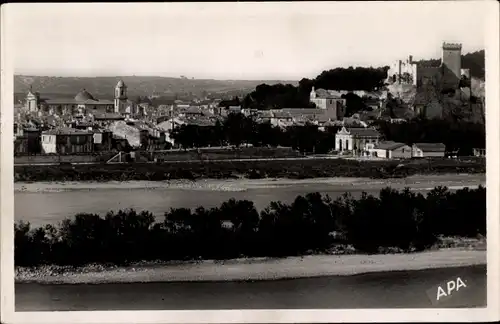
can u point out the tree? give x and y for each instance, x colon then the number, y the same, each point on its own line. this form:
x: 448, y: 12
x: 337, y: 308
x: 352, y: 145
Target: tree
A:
x: 238, y: 128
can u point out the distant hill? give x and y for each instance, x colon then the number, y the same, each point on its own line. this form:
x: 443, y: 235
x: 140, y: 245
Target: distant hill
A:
x: 103, y: 87
x: 474, y: 61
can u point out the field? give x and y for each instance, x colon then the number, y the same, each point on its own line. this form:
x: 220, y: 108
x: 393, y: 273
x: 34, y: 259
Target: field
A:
x: 171, y: 155
x: 252, y: 169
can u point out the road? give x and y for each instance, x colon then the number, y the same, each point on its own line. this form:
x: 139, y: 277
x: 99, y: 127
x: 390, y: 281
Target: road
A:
x: 401, y: 289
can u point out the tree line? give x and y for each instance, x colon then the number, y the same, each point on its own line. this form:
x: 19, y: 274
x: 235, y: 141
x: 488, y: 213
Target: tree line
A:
x: 238, y: 129
x: 461, y: 136
x: 288, y: 96
x: 404, y: 221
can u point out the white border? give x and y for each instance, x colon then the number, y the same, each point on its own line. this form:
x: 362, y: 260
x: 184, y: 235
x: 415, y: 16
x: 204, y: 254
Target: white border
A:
x: 8, y: 315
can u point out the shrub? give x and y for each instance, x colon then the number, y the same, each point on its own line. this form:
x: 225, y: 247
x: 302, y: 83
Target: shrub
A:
x: 307, y: 168
x: 400, y: 220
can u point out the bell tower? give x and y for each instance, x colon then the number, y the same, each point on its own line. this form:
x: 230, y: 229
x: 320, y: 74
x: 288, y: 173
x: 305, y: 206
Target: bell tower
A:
x: 120, y: 96
x: 312, y: 95
x: 31, y: 101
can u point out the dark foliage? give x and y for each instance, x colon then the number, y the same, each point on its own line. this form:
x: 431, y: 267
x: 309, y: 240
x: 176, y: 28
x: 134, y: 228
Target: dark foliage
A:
x: 403, y: 220
x: 276, y: 168
x: 461, y: 135
x: 288, y: 96
x: 359, y: 78
x: 238, y: 129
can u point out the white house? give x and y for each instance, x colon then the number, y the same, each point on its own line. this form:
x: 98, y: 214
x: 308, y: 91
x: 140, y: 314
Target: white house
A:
x: 389, y: 150
x: 428, y: 150
x: 355, y: 139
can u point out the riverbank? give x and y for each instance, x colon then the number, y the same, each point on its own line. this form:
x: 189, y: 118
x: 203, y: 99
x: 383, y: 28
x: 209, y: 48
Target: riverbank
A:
x: 256, y: 269
x: 417, y: 182
x: 289, y: 168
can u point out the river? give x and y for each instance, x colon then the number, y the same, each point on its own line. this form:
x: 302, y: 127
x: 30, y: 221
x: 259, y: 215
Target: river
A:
x: 43, y: 203
x: 395, y: 289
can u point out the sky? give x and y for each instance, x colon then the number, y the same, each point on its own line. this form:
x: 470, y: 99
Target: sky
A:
x: 244, y: 41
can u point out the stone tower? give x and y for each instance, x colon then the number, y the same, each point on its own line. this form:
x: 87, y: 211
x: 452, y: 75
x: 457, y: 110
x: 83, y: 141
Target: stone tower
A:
x: 451, y: 63
x: 120, y: 96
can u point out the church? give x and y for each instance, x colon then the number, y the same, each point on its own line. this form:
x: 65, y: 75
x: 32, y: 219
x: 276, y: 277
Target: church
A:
x: 84, y: 103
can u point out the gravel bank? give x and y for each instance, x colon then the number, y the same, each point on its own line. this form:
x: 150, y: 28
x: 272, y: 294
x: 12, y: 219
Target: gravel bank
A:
x: 422, y: 181
x: 260, y: 269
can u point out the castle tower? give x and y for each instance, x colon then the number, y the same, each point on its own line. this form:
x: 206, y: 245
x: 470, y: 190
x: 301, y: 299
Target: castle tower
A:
x: 120, y: 96
x: 31, y: 101
x: 451, y: 63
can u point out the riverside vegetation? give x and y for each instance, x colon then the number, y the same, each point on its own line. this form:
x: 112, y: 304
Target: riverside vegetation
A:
x: 291, y: 169
x: 402, y: 221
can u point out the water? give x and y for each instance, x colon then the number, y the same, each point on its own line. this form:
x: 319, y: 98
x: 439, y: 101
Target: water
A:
x: 396, y: 289
x: 50, y: 203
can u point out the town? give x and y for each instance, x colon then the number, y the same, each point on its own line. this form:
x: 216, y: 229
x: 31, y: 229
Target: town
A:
x: 85, y: 128
x: 249, y: 156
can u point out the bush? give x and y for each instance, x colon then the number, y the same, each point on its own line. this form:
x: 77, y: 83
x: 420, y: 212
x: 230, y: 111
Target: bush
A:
x: 305, y: 168
x: 399, y: 220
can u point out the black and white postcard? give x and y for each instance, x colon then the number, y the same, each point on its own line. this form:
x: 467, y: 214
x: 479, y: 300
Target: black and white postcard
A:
x: 250, y: 162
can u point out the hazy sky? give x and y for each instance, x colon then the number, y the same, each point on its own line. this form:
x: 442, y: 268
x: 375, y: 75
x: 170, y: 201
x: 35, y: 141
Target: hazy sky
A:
x: 234, y: 40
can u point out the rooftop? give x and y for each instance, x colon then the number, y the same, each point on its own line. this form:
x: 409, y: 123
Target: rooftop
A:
x: 431, y: 147
x: 109, y: 116
x: 363, y: 132
x: 67, y: 131
x: 84, y: 95
x: 389, y: 145
x: 304, y: 111
x: 328, y: 94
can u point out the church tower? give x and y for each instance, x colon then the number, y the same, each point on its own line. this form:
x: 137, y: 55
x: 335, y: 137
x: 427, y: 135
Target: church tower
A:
x: 31, y: 101
x: 120, y: 96
x: 312, y: 95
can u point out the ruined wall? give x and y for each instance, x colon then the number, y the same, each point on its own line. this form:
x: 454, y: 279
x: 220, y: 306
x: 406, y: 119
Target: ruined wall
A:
x: 428, y: 75
x: 403, y: 72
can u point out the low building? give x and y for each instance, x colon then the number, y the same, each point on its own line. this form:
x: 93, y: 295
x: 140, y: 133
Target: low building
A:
x: 234, y: 109
x: 67, y: 141
x: 193, y: 112
x: 355, y: 139
x: 280, y: 118
x: 28, y: 141
x: 428, y: 150
x: 389, y: 150
x: 103, y: 140
x: 479, y: 152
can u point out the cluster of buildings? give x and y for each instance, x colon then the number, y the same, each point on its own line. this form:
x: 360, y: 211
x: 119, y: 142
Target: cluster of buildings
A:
x: 84, y: 124
x: 367, y: 141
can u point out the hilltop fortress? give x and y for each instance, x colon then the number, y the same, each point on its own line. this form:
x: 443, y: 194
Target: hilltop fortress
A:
x: 434, y: 91
x: 449, y: 73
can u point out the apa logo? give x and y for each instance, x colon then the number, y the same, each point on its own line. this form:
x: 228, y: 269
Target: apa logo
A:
x: 451, y: 286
